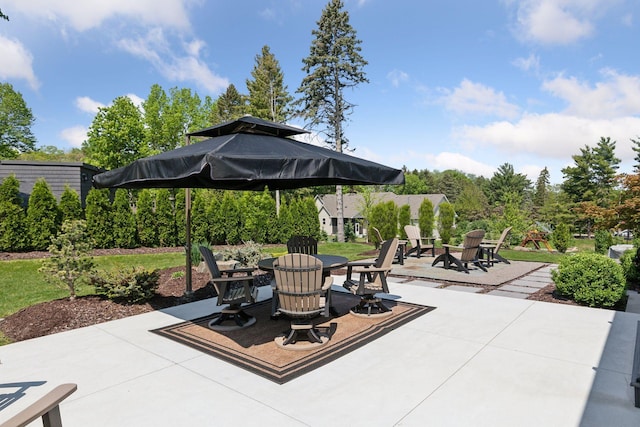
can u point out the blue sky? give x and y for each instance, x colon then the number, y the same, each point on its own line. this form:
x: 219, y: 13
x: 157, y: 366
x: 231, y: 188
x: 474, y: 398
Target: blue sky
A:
x: 455, y: 84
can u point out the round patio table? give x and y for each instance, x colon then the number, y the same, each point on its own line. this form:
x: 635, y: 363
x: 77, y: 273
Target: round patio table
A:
x: 329, y: 262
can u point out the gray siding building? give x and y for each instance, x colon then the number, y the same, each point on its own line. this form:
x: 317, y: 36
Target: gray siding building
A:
x: 57, y: 174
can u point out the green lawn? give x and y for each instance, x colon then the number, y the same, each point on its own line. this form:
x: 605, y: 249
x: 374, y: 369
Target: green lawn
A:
x: 21, y: 285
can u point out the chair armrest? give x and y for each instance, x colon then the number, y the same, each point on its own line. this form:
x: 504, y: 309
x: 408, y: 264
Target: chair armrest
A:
x: 328, y: 281
x: 45, y: 407
x: 371, y: 270
x: 489, y: 242
x: 360, y: 263
x: 231, y: 271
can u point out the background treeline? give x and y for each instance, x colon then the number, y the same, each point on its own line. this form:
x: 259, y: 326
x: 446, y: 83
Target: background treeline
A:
x: 152, y: 218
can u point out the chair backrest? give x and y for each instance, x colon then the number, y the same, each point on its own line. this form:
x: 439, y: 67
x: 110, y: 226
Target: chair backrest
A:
x: 413, y: 234
x: 299, y: 284
x: 302, y: 245
x: 503, y: 236
x: 471, y: 245
x: 210, y: 261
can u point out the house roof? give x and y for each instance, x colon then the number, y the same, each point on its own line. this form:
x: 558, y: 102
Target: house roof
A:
x: 352, y: 202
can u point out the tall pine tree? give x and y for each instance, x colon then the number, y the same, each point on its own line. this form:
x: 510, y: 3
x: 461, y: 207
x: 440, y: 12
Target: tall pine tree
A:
x: 268, y: 95
x: 333, y: 65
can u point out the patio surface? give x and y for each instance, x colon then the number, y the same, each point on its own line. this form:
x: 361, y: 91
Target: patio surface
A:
x: 477, y: 360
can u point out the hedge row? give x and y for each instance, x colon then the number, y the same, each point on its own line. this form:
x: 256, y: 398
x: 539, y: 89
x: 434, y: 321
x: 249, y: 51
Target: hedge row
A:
x: 151, y: 218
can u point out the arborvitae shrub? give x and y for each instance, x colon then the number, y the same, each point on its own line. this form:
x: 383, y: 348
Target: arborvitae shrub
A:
x: 146, y: 219
x: 404, y: 218
x: 165, y: 219
x: 602, y: 241
x: 445, y: 222
x: 99, y: 218
x: 561, y: 237
x: 384, y: 217
x: 70, y: 205
x: 43, y: 215
x: 13, y: 228
x: 124, y: 222
x: 426, y: 218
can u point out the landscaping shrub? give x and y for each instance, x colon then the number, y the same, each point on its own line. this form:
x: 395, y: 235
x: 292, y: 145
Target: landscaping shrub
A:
x: 590, y: 279
x: 247, y: 255
x: 13, y: 228
x: 630, y: 262
x: 384, y: 217
x: 133, y: 285
x: 69, y: 264
x: 602, y: 240
x: 561, y: 237
x: 124, y: 229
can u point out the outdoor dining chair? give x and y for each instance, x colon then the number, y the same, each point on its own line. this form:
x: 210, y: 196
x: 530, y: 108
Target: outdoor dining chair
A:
x: 302, y: 245
x: 372, y: 281
x: 233, y: 290
x: 301, y: 290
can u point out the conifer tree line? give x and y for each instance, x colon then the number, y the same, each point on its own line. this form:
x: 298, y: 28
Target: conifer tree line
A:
x: 151, y: 218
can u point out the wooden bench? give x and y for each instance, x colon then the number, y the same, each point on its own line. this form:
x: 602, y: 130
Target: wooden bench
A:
x: 47, y: 407
x: 635, y: 372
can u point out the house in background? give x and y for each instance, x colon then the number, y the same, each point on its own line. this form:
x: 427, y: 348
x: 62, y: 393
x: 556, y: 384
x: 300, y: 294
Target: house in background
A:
x: 76, y: 175
x: 353, y: 204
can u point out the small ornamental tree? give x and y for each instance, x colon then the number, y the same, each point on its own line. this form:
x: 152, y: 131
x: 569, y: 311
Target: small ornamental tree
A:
x: 99, y: 218
x: 404, y: 218
x: 70, y: 205
x: 445, y: 222
x: 43, y: 215
x: 69, y: 264
x: 124, y: 222
x: 146, y: 220
x: 426, y: 218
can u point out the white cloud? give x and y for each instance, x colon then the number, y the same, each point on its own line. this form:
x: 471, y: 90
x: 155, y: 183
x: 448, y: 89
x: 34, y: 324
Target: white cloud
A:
x: 88, y: 105
x: 531, y: 63
x: 396, y: 77
x: 552, y: 136
x: 155, y: 48
x: 558, y: 21
x: 476, y: 98
x: 137, y: 101
x: 447, y: 160
x: 75, y: 135
x: 16, y: 62
x: 88, y: 14
x: 617, y: 96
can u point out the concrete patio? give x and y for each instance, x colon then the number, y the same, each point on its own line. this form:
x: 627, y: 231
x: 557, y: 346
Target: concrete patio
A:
x: 477, y: 359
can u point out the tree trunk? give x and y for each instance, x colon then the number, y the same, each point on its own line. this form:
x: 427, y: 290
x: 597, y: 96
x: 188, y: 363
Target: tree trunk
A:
x: 340, y: 213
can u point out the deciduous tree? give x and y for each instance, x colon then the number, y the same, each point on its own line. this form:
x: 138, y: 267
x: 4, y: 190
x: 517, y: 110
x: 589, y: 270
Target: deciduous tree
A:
x: 116, y: 136
x: 16, y: 120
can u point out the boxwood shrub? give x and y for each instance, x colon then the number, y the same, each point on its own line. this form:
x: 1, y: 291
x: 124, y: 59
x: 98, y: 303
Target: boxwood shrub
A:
x: 590, y: 279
